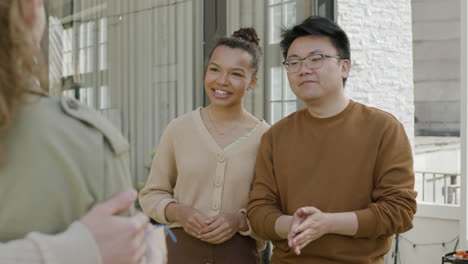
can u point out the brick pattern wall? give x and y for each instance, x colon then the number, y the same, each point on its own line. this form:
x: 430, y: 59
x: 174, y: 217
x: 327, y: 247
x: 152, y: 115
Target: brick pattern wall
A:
x: 381, y: 74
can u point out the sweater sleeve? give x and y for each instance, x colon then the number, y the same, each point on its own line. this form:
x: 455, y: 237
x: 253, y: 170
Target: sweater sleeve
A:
x: 249, y: 232
x: 394, y: 198
x: 20, y: 251
x: 75, y: 245
x: 159, y: 189
x: 264, y: 202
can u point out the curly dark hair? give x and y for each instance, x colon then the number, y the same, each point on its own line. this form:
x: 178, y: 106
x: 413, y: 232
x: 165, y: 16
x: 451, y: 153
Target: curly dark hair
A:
x: 244, y: 38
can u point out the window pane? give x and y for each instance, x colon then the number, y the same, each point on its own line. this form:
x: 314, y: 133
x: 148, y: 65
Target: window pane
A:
x: 276, y: 80
x: 89, y: 59
x: 289, y: 107
x: 82, y: 35
x: 82, y: 61
x: 69, y: 93
x: 289, y: 18
x: 104, y: 95
x: 103, y: 57
x: 274, y: 2
x: 276, y: 112
x: 90, y: 34
x: 289, y: 95
x: 103, y: 30
x: 275, y: 24
x: 86, y: 96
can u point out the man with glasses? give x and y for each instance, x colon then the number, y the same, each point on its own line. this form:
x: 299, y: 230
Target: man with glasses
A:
x: 334, y: 181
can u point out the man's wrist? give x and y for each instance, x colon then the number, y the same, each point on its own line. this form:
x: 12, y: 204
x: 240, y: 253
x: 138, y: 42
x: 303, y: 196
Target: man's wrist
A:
x: 345, y: 223
x: 283, y: 225
x: 330, y: 226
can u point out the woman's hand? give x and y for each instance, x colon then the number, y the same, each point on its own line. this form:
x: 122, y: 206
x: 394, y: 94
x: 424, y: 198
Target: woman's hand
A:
x: 223, y: 227
x: 192, y: 220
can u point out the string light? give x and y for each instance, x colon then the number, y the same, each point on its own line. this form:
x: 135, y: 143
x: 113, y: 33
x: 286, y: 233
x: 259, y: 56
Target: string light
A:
x: 396, y: 253
x: 443, y: 243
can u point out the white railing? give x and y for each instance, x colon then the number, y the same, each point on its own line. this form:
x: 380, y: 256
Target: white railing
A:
x: 438, y: 187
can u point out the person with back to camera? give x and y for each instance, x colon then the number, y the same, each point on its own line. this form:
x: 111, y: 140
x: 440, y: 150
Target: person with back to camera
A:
x: 201, y: 174
x: 59, y: 164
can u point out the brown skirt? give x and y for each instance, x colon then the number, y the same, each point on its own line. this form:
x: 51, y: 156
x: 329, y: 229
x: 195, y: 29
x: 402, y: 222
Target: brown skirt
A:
x: 188, y: 250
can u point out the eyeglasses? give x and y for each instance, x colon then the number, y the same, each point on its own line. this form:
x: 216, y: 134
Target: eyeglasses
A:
x: 312, y: 62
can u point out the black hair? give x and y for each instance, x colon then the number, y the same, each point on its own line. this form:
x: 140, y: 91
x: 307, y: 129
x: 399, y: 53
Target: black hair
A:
x: 246, y: 39
x: 317, y: 26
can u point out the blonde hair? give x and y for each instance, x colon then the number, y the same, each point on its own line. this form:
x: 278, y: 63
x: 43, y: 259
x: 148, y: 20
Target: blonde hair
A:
x: 21, y: 60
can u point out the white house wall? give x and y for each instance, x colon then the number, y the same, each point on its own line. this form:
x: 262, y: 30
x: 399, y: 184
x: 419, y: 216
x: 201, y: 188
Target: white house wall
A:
x: 427, y: 231
x: 381, y: 55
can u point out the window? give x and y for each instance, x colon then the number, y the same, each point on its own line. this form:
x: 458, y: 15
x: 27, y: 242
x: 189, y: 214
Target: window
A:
x: 281, y: 13
x: 284, y: 13
x: 133, y: 62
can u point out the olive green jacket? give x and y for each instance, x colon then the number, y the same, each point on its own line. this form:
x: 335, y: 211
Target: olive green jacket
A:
x: 60, y: 158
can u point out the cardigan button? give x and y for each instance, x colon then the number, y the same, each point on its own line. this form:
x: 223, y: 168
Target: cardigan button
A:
x: 220, y: 157
x: 218, y: 183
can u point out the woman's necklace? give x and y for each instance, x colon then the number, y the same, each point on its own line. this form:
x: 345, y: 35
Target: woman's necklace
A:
x: 231, y: 128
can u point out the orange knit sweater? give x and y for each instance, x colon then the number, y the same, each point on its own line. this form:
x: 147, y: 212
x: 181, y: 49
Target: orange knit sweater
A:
x: 357, y: 161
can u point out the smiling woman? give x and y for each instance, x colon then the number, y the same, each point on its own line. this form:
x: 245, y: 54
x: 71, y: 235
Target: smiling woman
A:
x: 231, y: 72
x: 209, y: 154
x: 229, y: 76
